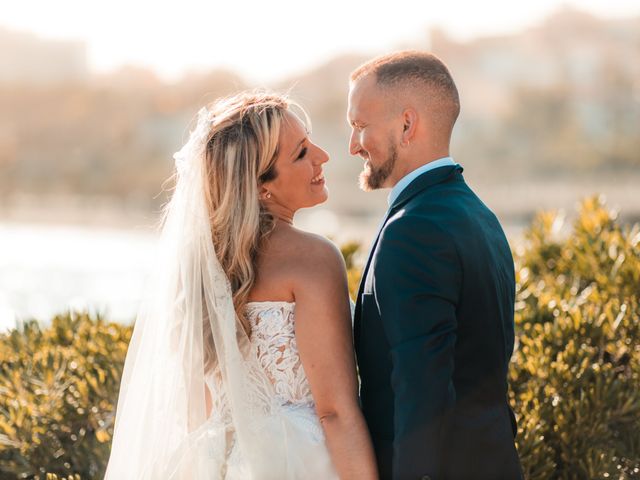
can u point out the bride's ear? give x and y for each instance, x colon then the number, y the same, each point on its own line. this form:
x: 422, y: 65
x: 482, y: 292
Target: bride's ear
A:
x: 263, y: 192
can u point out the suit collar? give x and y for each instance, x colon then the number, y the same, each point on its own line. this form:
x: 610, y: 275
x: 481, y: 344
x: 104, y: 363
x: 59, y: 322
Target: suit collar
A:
x: 427, y: 179
x: 411, y: 176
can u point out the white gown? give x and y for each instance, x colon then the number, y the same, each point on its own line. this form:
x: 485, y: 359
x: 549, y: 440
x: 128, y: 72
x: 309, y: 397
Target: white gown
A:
x: 307, y: 457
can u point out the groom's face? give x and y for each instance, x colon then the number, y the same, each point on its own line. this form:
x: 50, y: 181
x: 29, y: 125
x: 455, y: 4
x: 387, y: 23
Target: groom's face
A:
x: 372, y: 137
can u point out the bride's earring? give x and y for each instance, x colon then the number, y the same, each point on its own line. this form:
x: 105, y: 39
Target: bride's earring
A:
x: 268, y: 195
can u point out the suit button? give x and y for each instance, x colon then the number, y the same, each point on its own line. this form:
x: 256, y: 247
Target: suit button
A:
x: 426, y: 477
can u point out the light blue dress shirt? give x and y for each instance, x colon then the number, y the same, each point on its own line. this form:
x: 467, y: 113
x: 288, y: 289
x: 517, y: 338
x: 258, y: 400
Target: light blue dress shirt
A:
x: 410, y: 177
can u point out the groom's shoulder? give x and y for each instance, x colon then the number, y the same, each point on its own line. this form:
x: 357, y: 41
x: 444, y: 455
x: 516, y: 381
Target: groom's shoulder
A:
x: 436, y: 212
x: 430, y: 205
x: 414, y: 224
x: 444, y: 200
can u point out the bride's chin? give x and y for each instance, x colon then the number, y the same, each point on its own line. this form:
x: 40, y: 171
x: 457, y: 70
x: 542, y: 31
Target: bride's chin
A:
x: 321, y: 197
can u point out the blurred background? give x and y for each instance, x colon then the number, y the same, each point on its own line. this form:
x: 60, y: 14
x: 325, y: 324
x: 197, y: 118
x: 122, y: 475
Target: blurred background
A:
x: 95, y: 98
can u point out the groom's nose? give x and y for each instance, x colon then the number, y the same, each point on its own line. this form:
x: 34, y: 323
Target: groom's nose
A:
x: 354, y: 144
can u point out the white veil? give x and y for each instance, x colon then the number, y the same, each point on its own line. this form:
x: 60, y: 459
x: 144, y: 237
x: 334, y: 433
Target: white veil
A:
x: 162, y: 427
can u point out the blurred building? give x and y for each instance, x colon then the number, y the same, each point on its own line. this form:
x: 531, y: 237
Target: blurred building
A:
x: 570, y: 49
x: 559, y: 100
x: 28, y: 59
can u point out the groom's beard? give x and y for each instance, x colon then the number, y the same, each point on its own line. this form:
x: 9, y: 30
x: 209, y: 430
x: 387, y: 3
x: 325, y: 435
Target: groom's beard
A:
x: 373, y: 178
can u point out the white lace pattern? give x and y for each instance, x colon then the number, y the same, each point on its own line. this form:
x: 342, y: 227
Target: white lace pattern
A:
x: 273, y: 336
x: 273, y: 340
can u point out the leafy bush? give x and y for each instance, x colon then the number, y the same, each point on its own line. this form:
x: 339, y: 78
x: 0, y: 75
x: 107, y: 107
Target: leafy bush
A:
x: 350, y: 252
x: 575, y: 376
x: 58, y: 390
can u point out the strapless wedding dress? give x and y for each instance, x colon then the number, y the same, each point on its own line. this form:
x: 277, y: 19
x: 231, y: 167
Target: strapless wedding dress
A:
x: 272, y: 335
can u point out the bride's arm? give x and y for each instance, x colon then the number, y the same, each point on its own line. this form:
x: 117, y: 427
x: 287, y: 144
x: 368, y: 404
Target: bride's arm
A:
x: 325, y: 342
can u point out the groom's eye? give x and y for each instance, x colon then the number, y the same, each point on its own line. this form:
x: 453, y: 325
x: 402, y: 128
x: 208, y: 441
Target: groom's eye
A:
x: 302, y: 153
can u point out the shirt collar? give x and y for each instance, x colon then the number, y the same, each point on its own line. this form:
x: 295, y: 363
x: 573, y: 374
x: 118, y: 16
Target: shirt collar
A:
x: 410, y: 177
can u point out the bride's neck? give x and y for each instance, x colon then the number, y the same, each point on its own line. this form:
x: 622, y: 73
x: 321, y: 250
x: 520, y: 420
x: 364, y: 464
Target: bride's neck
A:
x: 288, y: 221
x: 281, y: 214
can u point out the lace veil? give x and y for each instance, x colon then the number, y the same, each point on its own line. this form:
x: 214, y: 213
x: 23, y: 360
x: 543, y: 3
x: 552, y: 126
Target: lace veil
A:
x: 162, y: 427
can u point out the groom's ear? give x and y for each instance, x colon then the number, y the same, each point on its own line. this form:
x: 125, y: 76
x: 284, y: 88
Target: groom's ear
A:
x: 409, y: 122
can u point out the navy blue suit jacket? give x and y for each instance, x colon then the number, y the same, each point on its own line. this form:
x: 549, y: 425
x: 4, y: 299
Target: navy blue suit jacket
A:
x: 434, y: 334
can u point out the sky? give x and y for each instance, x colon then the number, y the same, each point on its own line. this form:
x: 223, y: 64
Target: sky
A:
x: 266, y: 40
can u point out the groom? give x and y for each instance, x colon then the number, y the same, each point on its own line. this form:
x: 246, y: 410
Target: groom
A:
x: 434, y: 313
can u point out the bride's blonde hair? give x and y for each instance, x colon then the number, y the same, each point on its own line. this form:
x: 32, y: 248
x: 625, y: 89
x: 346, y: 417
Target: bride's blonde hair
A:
x: 240, y: 156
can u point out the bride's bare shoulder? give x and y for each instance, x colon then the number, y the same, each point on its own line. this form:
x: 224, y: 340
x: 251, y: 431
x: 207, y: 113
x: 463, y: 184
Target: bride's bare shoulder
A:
x: 317, y: 248
x: 290, y: 260
x: 317, y: 272
x: 301, y: 251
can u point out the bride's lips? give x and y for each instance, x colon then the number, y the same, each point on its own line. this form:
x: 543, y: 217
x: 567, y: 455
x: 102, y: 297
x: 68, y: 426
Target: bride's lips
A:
x: 318, y: 179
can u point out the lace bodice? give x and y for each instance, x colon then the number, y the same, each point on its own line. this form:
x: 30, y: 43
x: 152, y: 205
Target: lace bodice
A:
x: 274, y: 342
x: 293, y: 414
x: 273, y: 335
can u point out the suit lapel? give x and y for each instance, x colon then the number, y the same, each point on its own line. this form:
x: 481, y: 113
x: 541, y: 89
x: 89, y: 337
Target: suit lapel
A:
x: 427, y: 179
x: 372, y: 249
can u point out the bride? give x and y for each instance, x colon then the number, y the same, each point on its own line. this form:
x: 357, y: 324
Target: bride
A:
x: 241, y: 364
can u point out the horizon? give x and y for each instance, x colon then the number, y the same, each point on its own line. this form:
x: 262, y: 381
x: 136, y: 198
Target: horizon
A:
x: 279, y: 54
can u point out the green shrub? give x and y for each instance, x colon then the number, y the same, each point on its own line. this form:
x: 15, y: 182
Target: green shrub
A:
x: 575, y: 375
x: 58, y: 390
x: 350, y: 252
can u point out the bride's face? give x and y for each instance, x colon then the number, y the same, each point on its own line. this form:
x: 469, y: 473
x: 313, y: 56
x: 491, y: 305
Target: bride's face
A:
x: 299, y: 181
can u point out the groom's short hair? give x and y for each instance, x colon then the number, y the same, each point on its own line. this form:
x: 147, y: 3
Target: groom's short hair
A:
x: 413, y: 68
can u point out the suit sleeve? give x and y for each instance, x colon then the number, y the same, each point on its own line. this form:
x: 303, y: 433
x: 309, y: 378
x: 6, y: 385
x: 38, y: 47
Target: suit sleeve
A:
x: 416, y: 284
